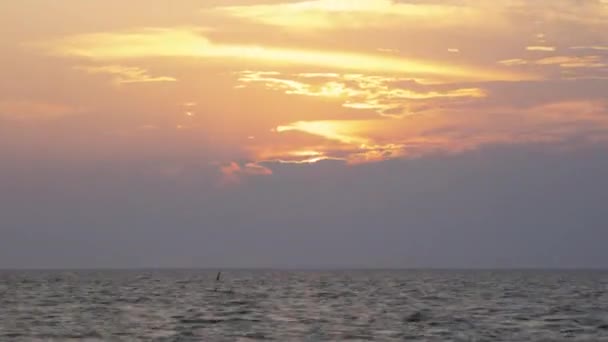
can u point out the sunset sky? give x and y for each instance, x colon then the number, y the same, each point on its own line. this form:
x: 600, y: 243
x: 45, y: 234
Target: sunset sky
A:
x: 373, y: 133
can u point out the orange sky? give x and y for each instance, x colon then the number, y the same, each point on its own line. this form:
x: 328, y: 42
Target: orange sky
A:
x: 243, y: 85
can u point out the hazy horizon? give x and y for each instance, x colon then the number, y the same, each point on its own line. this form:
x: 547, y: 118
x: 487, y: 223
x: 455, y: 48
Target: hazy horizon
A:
x: 226, y: 270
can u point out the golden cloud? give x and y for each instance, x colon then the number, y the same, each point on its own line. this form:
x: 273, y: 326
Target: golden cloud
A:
x: 187, y: 42
x: 123, y: 74
x: 327, y: 14
x: 540, y: 48
x: 319, y: 101
x: 454, y: 131
x: 562, y: 61
x: 374, y: 92
x: 573, y: 61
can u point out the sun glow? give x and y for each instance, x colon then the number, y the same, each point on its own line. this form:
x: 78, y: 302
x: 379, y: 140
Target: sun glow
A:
x: 342, y: 131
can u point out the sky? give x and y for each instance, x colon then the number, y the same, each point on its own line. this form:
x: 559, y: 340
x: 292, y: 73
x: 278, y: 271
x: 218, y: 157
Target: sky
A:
x: 314, y: 133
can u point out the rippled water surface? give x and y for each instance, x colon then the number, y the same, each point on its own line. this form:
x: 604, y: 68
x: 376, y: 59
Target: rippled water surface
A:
x: 183, y: 305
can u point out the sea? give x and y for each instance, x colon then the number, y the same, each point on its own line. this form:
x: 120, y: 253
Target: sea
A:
x: 308, y: 305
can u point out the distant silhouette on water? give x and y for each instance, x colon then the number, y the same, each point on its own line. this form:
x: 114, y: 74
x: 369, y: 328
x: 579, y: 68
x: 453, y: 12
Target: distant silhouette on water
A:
x: 217, y: 279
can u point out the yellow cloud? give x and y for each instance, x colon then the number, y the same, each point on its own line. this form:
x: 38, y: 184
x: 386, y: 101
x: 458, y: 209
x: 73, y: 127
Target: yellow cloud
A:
x: 540, y: 48
x: 346, y: 131
x: 513, y: 62
x: 301, y: 157
x: 186, y: 42
x: 562, y: 61
x: 326, y: 14
x: 590, y: 47
x: 378, y: 93
x: 573, y: 61
x: 361, y: 141
x: 150, y: 42
x: 124, y: 74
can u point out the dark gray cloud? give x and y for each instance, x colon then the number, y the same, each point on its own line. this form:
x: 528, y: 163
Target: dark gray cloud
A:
x: 525, y: 206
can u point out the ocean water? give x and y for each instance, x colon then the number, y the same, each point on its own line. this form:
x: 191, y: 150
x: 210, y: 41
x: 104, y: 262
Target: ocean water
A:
x: 189, y: 305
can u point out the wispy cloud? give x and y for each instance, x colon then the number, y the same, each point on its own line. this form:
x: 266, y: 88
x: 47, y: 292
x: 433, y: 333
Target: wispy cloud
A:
x: 573, y: 61
x: 387, y: 96
x: 125, y: 74
x: 459, y: 130
x: 541, y: 48
x: 562, y: 61
x: 233, y: 173
x: 186, y: 42
x: 348, y: 131
x: 590, y: 47
x: 326, y: 14
x: 513, y: 61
